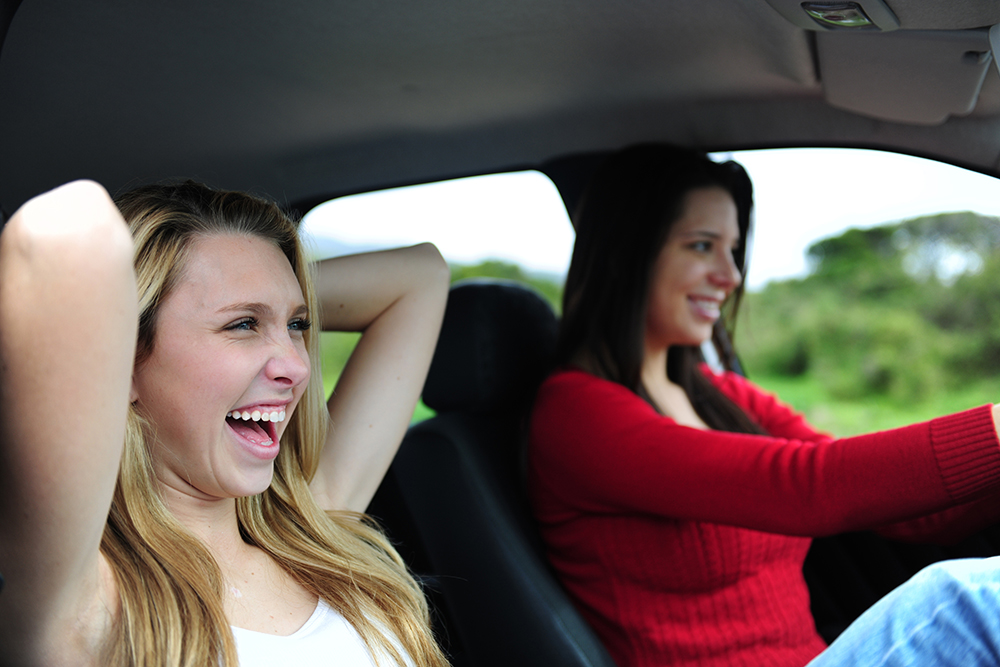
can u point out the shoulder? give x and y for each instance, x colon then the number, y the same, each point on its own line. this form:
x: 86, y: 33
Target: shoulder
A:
x: 572, y: 379
x: 740, y: 390
x: 776, y: 417
x: 574, y: 387
x: 728, y: 381
x: 573, y: 406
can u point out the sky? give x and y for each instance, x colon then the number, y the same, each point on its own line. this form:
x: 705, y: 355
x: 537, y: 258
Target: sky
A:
x: 801, y: 196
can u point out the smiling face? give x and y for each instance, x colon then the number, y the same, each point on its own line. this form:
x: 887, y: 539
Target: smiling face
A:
x: 694, y: 272
x: 229, y: 339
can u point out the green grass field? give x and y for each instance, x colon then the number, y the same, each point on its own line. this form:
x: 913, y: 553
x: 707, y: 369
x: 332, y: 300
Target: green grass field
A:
x: 804, y: 393
x: 843, y: 418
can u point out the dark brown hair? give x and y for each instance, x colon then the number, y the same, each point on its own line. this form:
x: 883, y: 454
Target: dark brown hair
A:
x: 622, y: 222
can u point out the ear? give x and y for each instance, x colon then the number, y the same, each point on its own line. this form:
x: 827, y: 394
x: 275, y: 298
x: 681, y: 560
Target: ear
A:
x: 133, y: 392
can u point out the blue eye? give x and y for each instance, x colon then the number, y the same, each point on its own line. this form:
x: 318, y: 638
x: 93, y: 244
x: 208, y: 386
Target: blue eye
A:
x: 701, y: 246
x: 245, y: 324
x: 301, y: 324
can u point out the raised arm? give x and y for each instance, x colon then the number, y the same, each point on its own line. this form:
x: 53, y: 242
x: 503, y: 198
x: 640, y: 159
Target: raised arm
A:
x: 396, y: 298
x: 67, y: 335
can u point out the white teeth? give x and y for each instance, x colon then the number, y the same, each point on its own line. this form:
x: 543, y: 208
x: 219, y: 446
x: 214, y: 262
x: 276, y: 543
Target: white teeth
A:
x: 258, y: 416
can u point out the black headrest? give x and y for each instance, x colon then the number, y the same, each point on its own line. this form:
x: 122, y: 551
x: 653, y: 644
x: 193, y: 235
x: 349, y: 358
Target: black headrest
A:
x: 495, y: 345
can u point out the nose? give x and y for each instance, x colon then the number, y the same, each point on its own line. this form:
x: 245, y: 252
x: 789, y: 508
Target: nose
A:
x: 288, y: 363
x: 726, y: 274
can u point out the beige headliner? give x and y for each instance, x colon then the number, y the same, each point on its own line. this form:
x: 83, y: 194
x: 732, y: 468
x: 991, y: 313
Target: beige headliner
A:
x: 308, y: 98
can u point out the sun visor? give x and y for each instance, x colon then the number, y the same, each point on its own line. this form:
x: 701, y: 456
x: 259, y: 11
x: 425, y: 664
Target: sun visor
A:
x: 995, y: 41
x: 910, y: 76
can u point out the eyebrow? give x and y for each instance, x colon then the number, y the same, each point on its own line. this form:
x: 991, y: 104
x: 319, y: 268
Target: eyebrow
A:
x: 705, y: 234
x: 701, y: 232
x: 260, y: 309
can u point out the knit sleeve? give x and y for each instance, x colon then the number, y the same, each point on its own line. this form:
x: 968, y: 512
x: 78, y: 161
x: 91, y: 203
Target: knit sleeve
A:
x: 777, y: 418
x: 948, y: 526
x: 596, y: 447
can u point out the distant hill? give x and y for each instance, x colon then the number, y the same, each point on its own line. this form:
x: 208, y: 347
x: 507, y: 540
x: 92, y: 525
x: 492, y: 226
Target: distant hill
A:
x: 321, y: 247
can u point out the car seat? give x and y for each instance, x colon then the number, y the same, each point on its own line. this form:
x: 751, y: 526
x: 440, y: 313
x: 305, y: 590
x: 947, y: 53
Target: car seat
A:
x: 454, y: 499
x: 454, y: 502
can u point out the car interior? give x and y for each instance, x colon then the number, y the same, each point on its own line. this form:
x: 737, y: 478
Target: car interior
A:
x: 305, y: 101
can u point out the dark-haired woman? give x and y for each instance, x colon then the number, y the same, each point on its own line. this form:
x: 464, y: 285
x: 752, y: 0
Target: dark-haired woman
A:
x: 677, y: 503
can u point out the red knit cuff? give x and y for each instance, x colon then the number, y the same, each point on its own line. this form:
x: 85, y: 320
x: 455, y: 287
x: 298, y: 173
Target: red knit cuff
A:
x: 968, y: 452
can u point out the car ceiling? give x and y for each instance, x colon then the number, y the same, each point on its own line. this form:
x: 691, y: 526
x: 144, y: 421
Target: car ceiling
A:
x: 306, y: 99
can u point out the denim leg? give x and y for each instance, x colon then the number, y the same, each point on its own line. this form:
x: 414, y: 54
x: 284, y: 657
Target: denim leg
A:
x: 947, y: 615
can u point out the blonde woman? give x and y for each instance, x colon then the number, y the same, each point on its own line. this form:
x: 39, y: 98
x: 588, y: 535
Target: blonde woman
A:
x: 172, y: 489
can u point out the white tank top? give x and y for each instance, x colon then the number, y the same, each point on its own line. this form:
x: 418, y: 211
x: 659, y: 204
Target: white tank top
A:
x: 325, y: 639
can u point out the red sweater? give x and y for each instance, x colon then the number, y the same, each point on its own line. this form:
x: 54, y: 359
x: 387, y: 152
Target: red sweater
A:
x: 685, y: 547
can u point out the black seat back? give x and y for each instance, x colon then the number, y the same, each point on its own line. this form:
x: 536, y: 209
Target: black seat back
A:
x: 454, y: 496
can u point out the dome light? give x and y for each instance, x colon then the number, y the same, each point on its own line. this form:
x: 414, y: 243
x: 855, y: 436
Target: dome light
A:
x: 839, y: 15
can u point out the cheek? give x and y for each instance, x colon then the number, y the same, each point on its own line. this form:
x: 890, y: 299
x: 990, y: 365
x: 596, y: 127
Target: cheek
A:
x: 656, y: 310
x: 184, y: 384
x: 687, y: 273
x: 306, y: 359
x: 206, y: 375
x: 303, y: 350
x: 667, y: 295
x: 299, y: 391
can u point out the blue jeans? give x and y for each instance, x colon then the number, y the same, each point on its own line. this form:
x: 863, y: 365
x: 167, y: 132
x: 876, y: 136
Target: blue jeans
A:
x: 947, y: 615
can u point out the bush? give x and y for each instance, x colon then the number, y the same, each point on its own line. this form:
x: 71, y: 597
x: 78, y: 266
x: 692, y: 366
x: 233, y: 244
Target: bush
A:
x: 771, y: 334
x: 862, y: 351
x: 854, y: 350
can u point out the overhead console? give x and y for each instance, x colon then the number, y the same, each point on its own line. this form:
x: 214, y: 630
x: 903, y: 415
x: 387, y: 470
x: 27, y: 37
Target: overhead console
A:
x: 872, y: 62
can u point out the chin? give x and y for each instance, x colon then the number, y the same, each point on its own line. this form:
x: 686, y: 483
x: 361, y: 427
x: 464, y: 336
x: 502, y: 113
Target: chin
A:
x: 253, y: 485
x: 697, y: 339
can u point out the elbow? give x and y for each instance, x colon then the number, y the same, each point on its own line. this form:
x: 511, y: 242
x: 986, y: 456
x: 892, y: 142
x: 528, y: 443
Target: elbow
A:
x: 434, y: 269
x: 74, y: 224
x: 430, y: 254
x: 68, y: 241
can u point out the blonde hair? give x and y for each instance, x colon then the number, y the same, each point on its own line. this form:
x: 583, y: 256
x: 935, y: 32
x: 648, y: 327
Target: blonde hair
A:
x: 170, y: 587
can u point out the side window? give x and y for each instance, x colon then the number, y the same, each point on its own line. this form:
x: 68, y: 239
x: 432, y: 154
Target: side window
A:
x: 511, y: 225
x: 873, y: 286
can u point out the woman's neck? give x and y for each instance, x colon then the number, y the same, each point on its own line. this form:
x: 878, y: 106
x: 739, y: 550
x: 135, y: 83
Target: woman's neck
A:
x: 213, y: 521
x: 669, y: 397
x: 653, y: 371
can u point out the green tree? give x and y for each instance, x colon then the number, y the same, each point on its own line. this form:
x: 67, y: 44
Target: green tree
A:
x: 864, y: 263
x: 972, y: 315
x: 901, y: 311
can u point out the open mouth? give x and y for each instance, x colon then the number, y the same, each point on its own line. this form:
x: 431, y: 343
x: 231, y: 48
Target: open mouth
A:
x: 258, y: 428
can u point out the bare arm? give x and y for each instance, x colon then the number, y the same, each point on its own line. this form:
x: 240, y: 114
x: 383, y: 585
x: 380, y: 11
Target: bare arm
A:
x: 67, y: 335
x: 397, y: 299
